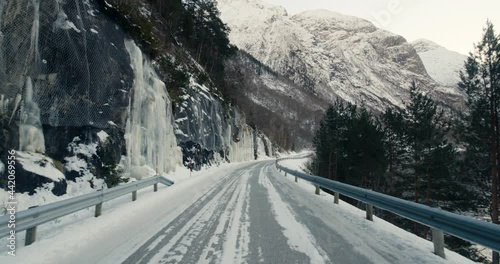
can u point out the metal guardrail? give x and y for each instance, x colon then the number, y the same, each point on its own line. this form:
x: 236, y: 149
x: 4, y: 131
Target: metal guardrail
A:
x: 35, y: 216
x: 473, y: 230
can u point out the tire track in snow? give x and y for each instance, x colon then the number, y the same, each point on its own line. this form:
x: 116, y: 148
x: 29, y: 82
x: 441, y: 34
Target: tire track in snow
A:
x: 298, y: 235
x: 181, y: 229
x: 196, y: 232
x: 229, y: 244
x: 191, y: 229
x: 267, y: 242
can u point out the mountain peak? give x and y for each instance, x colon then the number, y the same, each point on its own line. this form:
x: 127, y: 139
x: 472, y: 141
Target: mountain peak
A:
x: 423, y: 45
x: 443, y: 65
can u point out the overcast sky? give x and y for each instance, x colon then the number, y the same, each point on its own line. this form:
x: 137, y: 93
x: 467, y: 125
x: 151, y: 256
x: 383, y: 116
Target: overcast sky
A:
x: 455, y: 24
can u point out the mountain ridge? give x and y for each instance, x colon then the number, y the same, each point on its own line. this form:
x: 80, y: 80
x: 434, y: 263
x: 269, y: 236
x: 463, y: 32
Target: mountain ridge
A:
x: 331, y: 54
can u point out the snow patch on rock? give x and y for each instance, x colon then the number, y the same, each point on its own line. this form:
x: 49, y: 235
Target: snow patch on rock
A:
x: 78, y: 162
x: 103, y: 136
x: 39, y: 164
x: 62, y: 22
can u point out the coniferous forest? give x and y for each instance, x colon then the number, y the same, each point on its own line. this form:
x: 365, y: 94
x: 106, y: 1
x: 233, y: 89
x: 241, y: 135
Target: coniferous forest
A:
x: 424, y: 152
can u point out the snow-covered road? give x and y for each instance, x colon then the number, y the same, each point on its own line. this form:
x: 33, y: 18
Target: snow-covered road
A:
x: 244, y: 213
x: 256, y: 215
x: 242, y: 219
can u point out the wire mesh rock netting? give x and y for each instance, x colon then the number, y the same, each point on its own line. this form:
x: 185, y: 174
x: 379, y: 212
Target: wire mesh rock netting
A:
x: 53, y: 54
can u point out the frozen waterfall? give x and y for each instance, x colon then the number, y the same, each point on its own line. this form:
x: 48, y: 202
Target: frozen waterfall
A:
x: 150, y: 138
x: 240, y: 140
x: 30, y: 130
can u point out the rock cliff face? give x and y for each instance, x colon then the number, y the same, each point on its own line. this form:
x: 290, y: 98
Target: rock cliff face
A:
x: 80, y: 99
x: 332, y: 55
x: 210, y: 132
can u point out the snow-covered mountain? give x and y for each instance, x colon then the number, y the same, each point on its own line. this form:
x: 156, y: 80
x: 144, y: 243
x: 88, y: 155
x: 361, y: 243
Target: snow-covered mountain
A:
x: 331, y: 54
x: 443, y: 65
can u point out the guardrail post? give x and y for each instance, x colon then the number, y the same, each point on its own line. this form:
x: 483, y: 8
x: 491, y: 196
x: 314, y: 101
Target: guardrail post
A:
x: 285, y: 174
x: 98, y: 209
x: 155, y: 187
x: 134, y: 196
x: 296, y: 179
x: 30, y: 236
x: 336, y: 198
x: 317, y: 190
x: 369, y: 212
x: 438, y: 240
x: 30, y: 232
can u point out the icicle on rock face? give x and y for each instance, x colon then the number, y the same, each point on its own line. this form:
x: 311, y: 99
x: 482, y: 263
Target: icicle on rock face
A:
x: 30, y: 130
x: 241, y: 145
x: 243, y: 148
x: 151, y: 142
x: 261, y: 147
x: 4, y: 104
x: 2, y: 167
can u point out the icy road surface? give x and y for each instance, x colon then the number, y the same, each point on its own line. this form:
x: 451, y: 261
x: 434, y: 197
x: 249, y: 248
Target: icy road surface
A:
x: 238, y: 213
x: 256, y: 215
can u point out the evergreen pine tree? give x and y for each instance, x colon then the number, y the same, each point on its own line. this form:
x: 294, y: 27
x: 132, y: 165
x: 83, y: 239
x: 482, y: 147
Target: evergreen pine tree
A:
x: 395, y: 145
x: 426, y: 136
x: 329, y: 138
x: 349, y: 146
x: 481, y: 81
x: 364, y: 153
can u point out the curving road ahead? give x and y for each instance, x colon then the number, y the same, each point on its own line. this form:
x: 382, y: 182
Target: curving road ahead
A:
x: 256, y: 215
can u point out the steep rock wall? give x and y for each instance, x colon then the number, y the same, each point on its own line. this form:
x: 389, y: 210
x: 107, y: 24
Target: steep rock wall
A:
x: 207, y: 130
x: 79, y: 99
